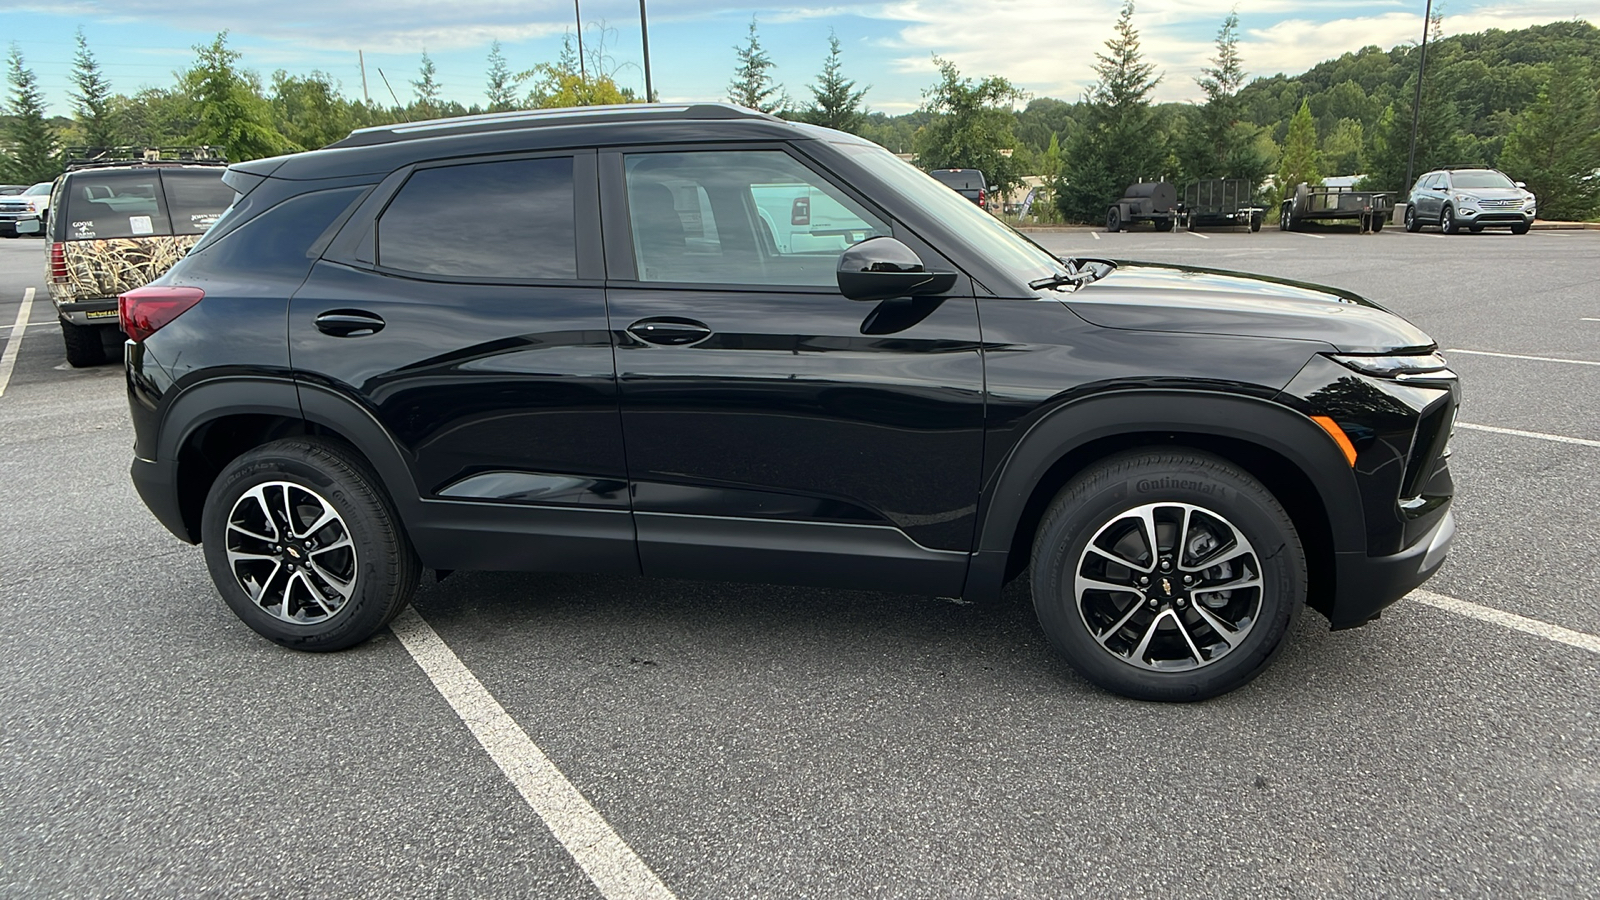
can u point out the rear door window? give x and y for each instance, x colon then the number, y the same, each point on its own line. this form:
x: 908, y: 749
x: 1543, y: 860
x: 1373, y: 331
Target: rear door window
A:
x: 196, y: 198
x: 115, y: 204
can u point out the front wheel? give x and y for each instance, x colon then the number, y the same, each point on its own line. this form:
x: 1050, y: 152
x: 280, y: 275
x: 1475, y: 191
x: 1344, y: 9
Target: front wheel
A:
x: 1522, y: 228
x: 1447, y: 221
x: 305, y: 547
x: 1113, y: 219
x: 1167, y: 575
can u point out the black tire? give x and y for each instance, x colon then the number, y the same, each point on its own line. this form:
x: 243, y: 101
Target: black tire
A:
x: 379, y: 564
x: 1475, y: 229
x: 85, y: 344
x: 1377, y: 222
x: 1255, y: 223
x: 1103, y: 498
x: 1447, y: 221
x: 1113, y: 219
x: 1412, y: 225
x: 1523, y: 228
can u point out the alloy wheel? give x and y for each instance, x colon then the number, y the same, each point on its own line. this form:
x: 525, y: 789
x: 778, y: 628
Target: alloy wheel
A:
x: 1169, y: 587
x: 291, y: 552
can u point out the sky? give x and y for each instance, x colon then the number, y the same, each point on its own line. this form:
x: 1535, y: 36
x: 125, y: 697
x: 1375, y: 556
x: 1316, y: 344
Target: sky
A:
x: 1045, y: 47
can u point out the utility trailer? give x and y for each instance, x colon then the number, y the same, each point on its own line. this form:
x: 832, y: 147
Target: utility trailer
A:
x: 1155, y: 202
x: 1321, y: 204
x: 1220, y: 201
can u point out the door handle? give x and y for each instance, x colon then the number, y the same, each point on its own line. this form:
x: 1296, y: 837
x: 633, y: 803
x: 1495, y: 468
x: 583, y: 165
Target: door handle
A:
x: 348, y: 323
x: 669, y: 331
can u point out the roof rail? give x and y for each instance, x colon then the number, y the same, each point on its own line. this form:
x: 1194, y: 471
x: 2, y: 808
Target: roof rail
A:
x: 535, y: 118
x: 96, y: 157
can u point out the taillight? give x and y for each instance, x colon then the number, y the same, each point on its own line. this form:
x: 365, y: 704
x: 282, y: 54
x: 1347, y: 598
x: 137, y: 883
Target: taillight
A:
x: 983, y: 197
x: 58, y: 263
x: 146, y: 310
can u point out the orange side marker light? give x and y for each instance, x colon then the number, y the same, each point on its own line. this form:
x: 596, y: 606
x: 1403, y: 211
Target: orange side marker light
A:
x: 1338, y: 435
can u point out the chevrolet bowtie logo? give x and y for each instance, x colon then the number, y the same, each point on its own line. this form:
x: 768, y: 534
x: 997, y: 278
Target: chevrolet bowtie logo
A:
x: 1166, y: 586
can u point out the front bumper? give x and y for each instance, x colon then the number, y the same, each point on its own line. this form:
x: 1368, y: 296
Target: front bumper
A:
x: 102, y: 311
x: 1367, y: 584
x: 1471, y: 216
x: 16, y: 227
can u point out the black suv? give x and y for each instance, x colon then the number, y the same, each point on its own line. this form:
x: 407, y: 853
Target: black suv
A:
x: 569, y: 340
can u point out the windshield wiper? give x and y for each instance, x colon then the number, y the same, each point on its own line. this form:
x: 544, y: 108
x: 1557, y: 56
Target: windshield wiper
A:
x: 1079, y: 273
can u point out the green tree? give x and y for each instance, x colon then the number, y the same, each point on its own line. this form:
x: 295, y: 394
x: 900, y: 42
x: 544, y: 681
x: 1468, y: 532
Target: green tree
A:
x: 1343, y: 150
x: 32, y: 140
x: 1300, y: 162
x: 752, y: 85
x: 502, y: 92
x: 308, y: 110
x: 91, y: 100
x: 1219, y: 144
x: 837, y: 103
x: 565, y: 83
x: 230, y: 112
x: 1554, y: 145
x: 426, y: 84
x: 1120, y: 142
x: 971, y: 126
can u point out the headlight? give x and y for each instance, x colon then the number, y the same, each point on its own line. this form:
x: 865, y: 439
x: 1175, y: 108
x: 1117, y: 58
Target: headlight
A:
x: 1463, y: 198
x: 1417, y: 367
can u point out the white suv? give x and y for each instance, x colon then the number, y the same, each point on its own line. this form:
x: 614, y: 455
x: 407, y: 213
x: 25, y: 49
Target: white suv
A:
x: 1470, y: 199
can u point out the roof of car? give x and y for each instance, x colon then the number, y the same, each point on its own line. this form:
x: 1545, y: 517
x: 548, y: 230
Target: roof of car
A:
x: 543, y: 118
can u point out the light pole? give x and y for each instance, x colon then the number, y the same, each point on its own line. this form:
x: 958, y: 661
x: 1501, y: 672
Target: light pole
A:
x: 1416, y: 103
x: 644, y: 32
x: 578, y: 15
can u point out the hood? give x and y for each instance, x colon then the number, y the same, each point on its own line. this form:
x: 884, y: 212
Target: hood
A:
x: 1145, y: 297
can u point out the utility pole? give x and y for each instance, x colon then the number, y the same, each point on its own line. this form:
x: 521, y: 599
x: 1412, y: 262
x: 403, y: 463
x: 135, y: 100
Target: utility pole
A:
x: 1416, y: 103
x: 362, y: 59
x: 644, y: 32
x: 578, y: 15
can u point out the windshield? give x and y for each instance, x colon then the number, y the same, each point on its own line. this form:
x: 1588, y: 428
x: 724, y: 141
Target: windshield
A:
x: 42, y: 187
x: 1480, y: 180
x: 987, y: 235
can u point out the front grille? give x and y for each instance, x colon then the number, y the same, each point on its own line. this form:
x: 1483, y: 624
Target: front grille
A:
x: 12, y: 207
x: 1499, y: 204
x: 1433, y: 432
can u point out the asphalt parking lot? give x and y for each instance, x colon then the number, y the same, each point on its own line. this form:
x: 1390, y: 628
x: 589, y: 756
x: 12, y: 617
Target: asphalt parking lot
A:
x: 747, y: 741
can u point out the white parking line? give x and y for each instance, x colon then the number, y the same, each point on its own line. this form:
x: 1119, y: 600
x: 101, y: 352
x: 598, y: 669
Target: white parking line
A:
x: 1200, y: 236
x: 1095, y: 235
x: 1319, y: 237
x: 610, y: 863
x: 1576, y: 362
x: 1589, y: 319
x: 8, y: 360
x: 1516, y: 432
x: 1581, y: 640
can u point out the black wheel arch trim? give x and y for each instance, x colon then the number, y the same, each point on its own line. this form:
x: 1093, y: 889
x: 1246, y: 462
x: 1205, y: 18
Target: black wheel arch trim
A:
x: 1265, y: 424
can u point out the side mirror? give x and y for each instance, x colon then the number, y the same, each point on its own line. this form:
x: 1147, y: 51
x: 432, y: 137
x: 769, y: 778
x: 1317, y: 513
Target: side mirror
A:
x: 1442, y: 188
x: 1520, y: 184
x: 882, y: 268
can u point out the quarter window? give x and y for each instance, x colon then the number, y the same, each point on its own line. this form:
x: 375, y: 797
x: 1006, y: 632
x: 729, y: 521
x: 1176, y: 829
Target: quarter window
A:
x: 739, y: 217
x: 498, y: 220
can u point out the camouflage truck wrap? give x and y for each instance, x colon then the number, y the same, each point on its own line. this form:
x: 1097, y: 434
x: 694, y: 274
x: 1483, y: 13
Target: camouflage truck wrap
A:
x: 105, y: 268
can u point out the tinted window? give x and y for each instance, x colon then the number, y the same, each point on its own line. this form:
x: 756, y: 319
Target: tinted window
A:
x: 275, y: 242
x: 960, y: 179
x: 739, y: 217
x: 114, y: 205
x: 509, y: 219
x: 195, y: 198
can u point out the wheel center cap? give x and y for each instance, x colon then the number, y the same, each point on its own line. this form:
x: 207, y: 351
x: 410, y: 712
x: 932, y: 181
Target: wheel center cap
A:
x: 1166, y: 586
x: 294, y: 552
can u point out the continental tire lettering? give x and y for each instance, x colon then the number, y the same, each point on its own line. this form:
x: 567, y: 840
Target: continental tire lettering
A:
x: 1149, y: 485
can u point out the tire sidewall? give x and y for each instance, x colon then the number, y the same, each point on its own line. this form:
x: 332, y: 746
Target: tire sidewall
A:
x: 1122, y: 484
x: 367, y: 521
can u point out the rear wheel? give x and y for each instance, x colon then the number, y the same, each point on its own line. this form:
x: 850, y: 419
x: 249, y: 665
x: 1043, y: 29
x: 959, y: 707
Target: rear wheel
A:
x: 304, y: 545
x: 1412, y: 225
x: 1113, y: 219
x: 1167, y: 575
x: 85, y: 345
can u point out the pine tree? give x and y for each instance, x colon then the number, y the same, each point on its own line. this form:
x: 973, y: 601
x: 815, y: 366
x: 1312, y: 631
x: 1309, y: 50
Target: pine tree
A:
x: 92, y: 99
x: 837, y: 103
x: 502, y: 92
x: 1554, y: 145
x: 1222, y: 146
x: 32, y: 139
x: 752, y: 85
x: 427, y: 89
x: 230, y: 110
x: 1300, y: 161
x: 1120, y: 142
